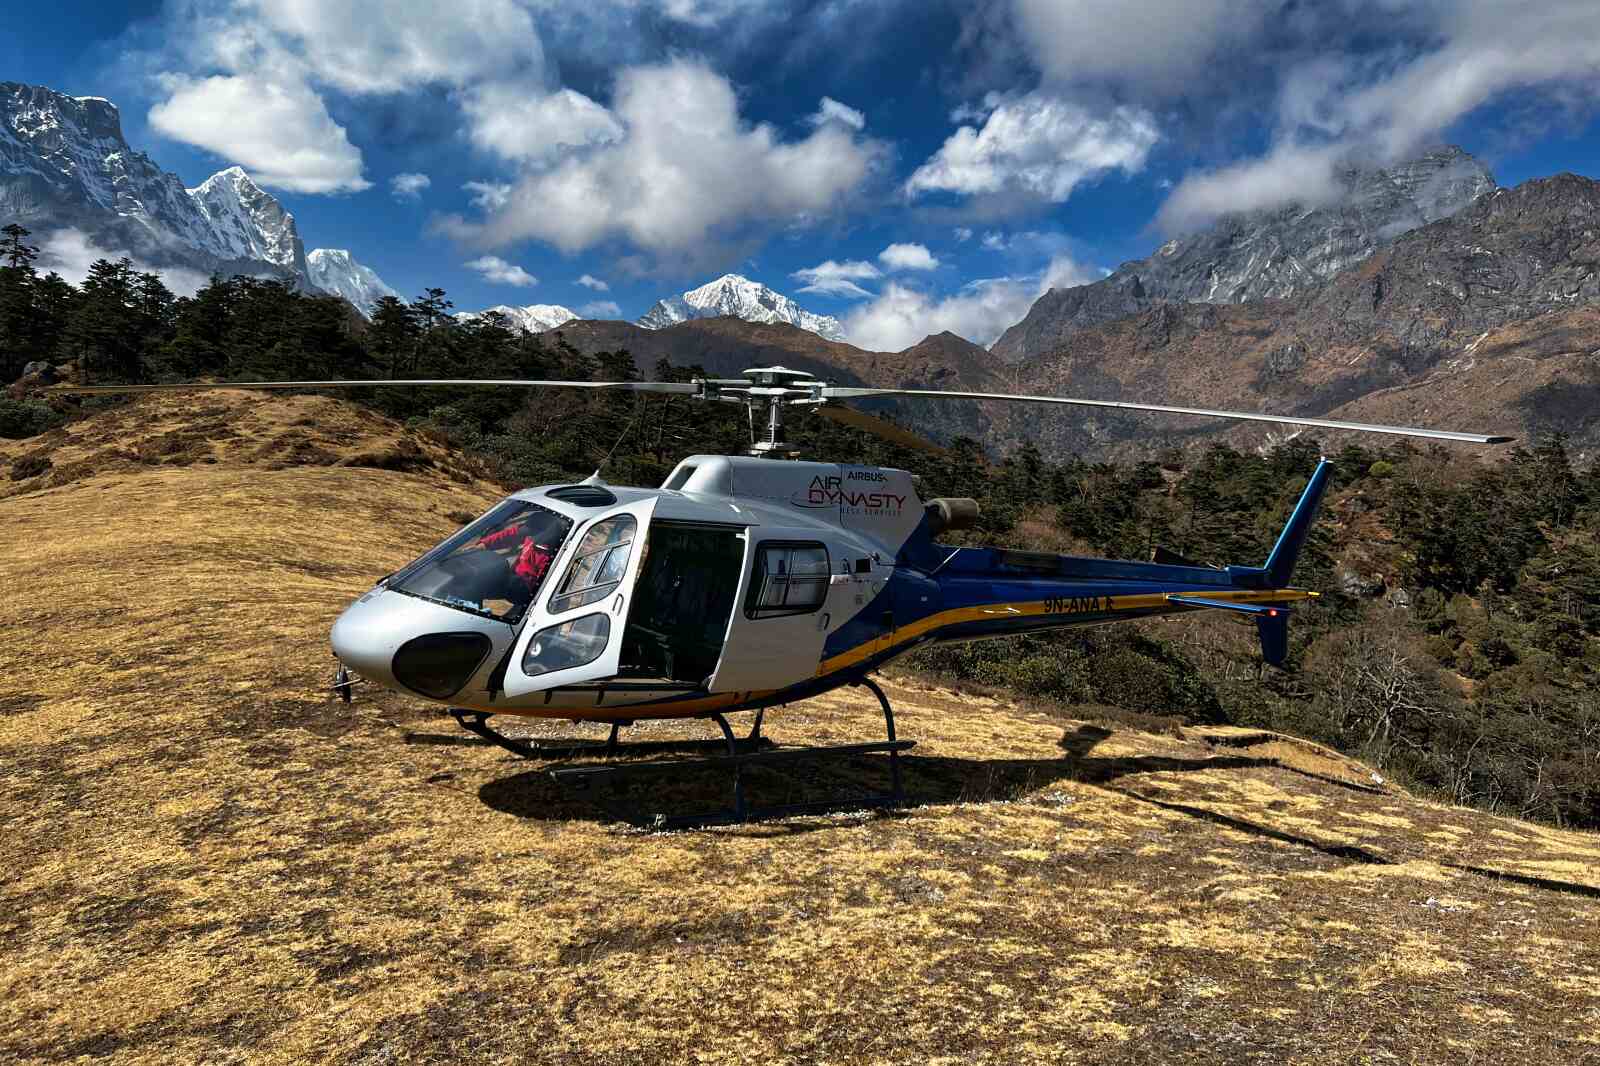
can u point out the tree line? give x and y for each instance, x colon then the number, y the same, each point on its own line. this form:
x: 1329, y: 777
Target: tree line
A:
x: 1456, y: 643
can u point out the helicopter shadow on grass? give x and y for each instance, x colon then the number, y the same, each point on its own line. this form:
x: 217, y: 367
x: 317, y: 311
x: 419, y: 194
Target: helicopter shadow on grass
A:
x: 842, y: 782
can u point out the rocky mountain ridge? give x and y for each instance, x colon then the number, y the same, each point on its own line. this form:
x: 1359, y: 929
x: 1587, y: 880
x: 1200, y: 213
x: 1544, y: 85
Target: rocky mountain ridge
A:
x: 65, y: 164
x: 1275, y: 254
x: 1488, y: 320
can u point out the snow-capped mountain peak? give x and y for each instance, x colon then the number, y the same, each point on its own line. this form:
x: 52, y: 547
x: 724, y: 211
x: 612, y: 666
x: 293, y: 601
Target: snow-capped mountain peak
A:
x: 246, y: 222
x: 336, y: 271
x: 64, y: 163
x: 733, y: 294
x: 535, y: 318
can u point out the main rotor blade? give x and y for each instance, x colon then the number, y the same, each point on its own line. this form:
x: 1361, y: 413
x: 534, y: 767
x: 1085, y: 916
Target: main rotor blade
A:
x: 683, y: 388
x: 848, y: 416
x: 847, y: 392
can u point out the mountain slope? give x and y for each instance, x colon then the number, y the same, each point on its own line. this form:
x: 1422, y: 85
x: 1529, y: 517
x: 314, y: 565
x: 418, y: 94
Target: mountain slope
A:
x: 64, y: 164
x: 288, y: 879
x: 1262, y: 254
x: 336, y: 271
x: 741, y: 298
x: 1486, y: 320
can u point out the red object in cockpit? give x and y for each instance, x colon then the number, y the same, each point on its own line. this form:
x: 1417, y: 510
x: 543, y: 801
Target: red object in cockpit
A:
x: 532, y: 561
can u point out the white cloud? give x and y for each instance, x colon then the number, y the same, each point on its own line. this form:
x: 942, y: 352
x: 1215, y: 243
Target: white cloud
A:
x: 279, y: 131
x: 1155, y: 46
x: 980, y: 312
x: 1450, y: 59
x: 488, y: 195
x: 1289, y: 174
x: 493, y: 268
x: 244, y: 78
x: 409, y: 186
x: 387, y: 46
x: 832, y: 110
x: 994, y: 241
x: 907, y: 257
x: 838, y: 279
x: 963, y: 234
x: 600, y: 309
x: 1039, y: 145
x: 686, y: 169
x: 589, y: 281
x: 517, y: 123
x: 70, y: 252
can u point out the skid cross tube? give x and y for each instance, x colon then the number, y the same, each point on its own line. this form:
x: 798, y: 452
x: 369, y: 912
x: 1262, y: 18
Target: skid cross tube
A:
x: 605, y: 784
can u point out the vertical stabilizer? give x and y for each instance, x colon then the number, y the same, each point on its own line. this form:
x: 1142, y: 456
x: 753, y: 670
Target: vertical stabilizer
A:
x: 1279, y: 568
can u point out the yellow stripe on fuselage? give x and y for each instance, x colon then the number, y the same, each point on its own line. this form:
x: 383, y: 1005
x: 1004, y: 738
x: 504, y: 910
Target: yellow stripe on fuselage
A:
x: 1064, y: 606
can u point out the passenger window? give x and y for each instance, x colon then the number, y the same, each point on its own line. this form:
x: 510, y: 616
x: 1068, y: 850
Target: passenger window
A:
x: 598, y: 565
x: 788, y: 579
x: 568, y: 645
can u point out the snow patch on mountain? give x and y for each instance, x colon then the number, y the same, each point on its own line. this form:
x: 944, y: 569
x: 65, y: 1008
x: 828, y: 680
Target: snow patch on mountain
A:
x: 740, y: 297
x: 534, y: 318
x: 336, y: 271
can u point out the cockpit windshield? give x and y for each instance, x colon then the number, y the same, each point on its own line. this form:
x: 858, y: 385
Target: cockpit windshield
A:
x: 493, y: 567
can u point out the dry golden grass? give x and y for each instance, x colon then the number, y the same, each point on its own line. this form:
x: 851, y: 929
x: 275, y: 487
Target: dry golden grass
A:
x: 206, y: 860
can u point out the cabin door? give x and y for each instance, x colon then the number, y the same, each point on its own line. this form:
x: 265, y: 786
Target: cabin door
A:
x: 780, y: 616
x: 573, y: 634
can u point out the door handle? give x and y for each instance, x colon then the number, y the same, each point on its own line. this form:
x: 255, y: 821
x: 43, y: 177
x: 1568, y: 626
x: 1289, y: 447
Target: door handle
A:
x: 822, y: 623
x: 616, y: 605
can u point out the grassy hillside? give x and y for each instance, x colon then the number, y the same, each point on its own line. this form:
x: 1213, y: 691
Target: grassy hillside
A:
x: 206, y: 859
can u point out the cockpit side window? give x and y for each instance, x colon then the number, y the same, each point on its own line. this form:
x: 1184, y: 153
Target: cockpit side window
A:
x: 492, y: 567
x: 597, y: 565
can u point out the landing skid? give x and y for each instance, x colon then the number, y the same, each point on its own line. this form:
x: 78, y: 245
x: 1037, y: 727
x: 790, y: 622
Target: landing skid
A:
x: 609, y: 787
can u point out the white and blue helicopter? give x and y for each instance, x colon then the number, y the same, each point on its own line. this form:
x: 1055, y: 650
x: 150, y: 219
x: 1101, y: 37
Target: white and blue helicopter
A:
x: 742, y: 583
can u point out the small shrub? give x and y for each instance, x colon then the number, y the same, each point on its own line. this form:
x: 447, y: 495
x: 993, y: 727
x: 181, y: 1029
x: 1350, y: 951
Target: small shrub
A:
x: 26, y: 418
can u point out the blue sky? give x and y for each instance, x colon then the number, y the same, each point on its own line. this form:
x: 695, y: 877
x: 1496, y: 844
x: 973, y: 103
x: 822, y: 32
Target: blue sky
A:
x: 908, y: 166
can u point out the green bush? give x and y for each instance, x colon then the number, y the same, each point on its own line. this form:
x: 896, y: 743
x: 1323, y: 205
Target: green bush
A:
x: 26, y: 418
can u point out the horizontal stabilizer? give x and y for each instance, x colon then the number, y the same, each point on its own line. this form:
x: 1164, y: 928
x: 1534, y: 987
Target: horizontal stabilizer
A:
x: 1258, y: 610
x: 1272, y: 622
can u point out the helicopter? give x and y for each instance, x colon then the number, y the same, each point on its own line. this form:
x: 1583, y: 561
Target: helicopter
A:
x: 742, y: 583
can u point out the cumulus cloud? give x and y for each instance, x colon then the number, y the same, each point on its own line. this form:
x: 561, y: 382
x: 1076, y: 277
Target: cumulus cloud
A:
x: 519, y: 124
x: 832, y: 110
x: 1451, y: 59
x: 600, y: 309
x: 410, y: 187
x: 686, y: 168
x: 386, y: 46
x: 1040, y: 145
x: 838, y: 279
x: 488, y: 195
x: 493, y: 268
x: 245, y: 78
x: 70, y: 252
x: 279, y: 131
x: 907, y: 257
x: 1289, y: 174
x: 589, y: 281
x: 901, y: 316
x: 1156, y: 47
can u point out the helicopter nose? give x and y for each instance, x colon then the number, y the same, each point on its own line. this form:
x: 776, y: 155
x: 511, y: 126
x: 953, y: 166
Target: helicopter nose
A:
x: 411, y: 645
x: 364, y: 637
